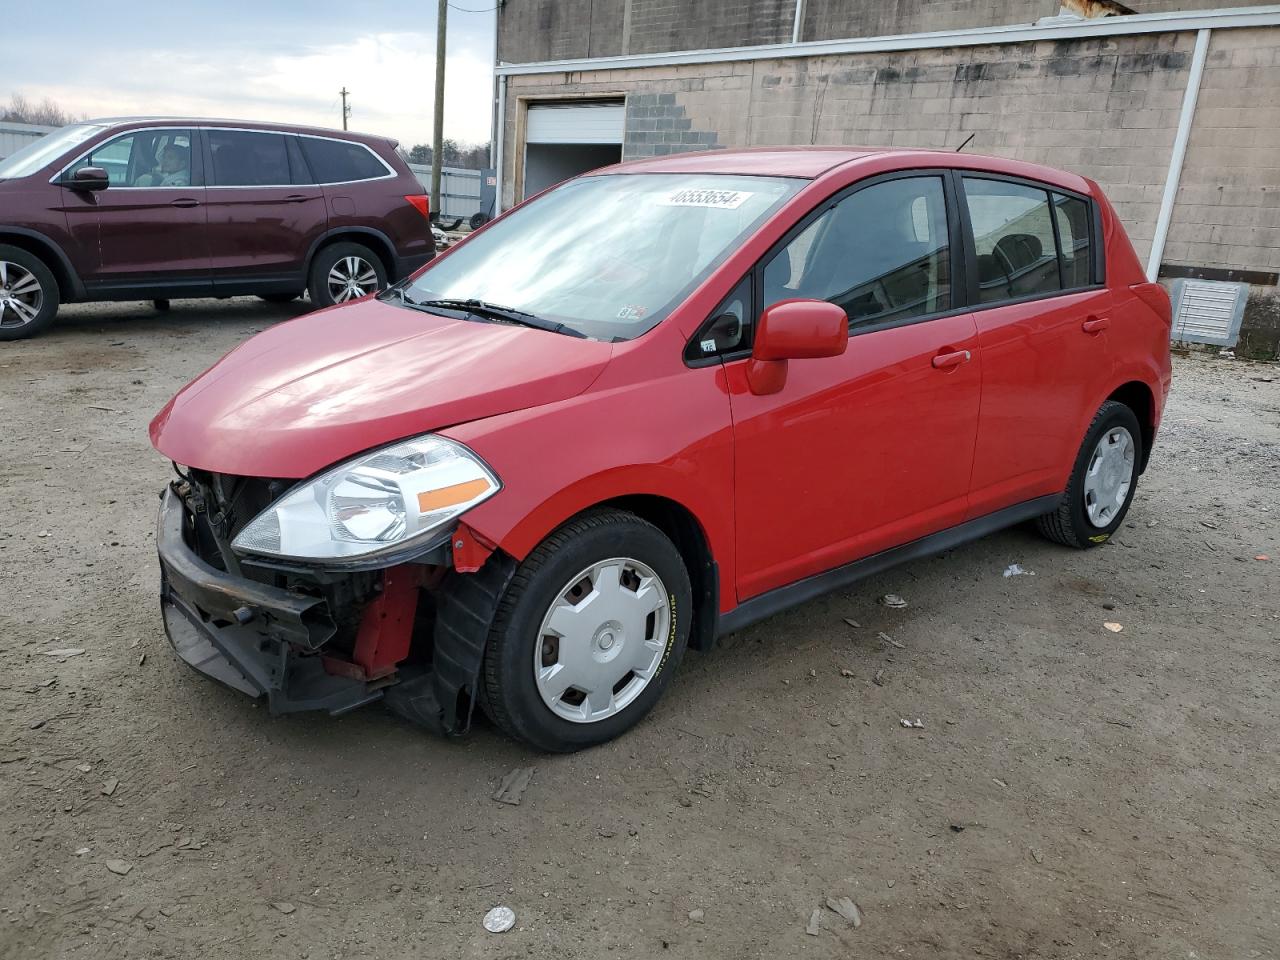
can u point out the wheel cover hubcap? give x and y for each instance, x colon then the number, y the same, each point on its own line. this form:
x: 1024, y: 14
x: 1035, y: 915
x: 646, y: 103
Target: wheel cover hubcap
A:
x: 351, y: 278
x: 21, y: 296
x: 1109, y: 476
x: 602, y: 640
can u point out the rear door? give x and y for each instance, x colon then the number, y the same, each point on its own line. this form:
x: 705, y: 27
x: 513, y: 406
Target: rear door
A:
x: 265, y: 210
x: 1041, y: 312
x: 874, y: 448
x: 146, y: 233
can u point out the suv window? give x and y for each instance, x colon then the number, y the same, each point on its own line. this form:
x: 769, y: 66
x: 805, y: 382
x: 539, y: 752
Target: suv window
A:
x: 1013, y: 239
x: 882, y: 253
x: 340, y: 161
x: 1074, y: 223
x: 244, y: 158
x: 144, y: 158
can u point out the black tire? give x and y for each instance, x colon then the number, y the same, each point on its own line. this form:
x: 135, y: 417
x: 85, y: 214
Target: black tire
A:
x: 278, y: 297
x: 1070, y: 524
x: 510, y: 695
x: 14, y: 325
x: 327, y: 259
x: 478, y: 220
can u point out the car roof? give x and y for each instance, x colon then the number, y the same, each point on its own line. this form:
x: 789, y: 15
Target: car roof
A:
x: 812, y: 162
x: 242, y: 124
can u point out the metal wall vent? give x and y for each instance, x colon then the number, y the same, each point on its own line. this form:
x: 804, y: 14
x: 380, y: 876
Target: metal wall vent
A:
x: 1208, y: 311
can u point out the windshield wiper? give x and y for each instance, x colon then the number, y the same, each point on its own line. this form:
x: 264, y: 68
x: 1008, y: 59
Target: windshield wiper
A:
x: 483, y: 308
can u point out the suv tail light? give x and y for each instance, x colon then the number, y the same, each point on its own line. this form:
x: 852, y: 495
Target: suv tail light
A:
x: 422, y: 202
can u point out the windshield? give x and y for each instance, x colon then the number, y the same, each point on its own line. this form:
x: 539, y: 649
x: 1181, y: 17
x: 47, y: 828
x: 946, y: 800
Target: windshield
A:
x: 40, y: 152
x: 607, y: 256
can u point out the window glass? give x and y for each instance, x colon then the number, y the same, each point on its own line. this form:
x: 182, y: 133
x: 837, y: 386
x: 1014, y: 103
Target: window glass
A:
x: 1073, y: 231
x: 1013, y: 239
x: 726, y: 331
x: 243, y: 158
x: 881, y: 253
x: 609, y: 256
x: 297, y: 165
x: 146, y: 158
x: 24, y: 162
x: 338, y: 161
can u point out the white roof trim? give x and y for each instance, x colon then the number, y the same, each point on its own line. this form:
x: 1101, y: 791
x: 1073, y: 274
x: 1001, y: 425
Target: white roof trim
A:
x: 1049, y: 29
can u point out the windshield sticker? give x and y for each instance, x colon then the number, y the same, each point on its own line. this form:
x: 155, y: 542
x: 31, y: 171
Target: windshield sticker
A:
x: 632, y: 312
x: 717, y: 199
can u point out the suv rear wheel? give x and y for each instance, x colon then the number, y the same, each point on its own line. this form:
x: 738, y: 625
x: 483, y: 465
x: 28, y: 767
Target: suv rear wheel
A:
x: 588, y: 634
x: 28, y: 294
x: 345, y: 271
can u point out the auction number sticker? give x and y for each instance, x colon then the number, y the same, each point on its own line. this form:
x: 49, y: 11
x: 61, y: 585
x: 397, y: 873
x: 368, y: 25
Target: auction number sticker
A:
x: 717, y: 199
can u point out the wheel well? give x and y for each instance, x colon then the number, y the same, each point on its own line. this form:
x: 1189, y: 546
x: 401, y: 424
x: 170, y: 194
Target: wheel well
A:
x: 48, y: 256
x: 685, y: 532
x: 373, y: 242
x: 1137, y: 397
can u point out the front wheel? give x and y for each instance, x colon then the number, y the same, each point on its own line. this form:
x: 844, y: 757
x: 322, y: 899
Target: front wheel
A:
x: 1103, y: 481
x: 588, y: 634
x: 28, y: 294
x: 343, y: 272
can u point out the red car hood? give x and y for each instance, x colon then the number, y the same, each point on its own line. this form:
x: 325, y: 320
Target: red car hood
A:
x: 316, y: 390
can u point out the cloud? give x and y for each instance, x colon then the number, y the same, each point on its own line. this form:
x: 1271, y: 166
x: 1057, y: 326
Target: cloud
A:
x: 390, y: 76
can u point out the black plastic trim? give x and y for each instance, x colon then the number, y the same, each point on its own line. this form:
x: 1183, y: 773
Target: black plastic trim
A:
x: 783, y: 598
x: 77, y: 285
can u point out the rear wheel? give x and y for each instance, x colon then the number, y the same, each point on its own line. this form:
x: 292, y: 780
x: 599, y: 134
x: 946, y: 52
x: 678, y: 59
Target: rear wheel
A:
x: 588, y: 634
x: 28, y: 294
x: 1103, y: 481
x: 344, y: 272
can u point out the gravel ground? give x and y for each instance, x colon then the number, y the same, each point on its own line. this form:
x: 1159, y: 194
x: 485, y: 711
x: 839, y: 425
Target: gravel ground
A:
x: 1073, y: 792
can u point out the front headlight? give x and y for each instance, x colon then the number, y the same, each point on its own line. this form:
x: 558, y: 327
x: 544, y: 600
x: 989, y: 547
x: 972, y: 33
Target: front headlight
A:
x: 378, y: 506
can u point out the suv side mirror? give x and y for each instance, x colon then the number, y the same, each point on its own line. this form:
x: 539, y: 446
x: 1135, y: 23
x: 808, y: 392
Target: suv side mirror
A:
x: 88, y: 178
x: 794, y: 330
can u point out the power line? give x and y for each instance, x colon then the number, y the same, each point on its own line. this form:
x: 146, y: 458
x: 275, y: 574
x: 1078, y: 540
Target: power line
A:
x: 481, y: 10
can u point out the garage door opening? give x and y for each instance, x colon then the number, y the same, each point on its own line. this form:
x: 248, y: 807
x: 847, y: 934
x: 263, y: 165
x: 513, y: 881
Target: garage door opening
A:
x: 563, y: 140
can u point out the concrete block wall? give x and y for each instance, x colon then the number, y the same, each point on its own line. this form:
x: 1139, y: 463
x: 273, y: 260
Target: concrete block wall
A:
x: 832, y: 19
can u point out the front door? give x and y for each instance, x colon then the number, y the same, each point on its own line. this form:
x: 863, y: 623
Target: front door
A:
x: 144, y: 234
x: 872, y: 449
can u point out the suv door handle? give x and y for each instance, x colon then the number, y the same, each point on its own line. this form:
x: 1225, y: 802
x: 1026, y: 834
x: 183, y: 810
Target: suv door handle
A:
x: 1095, y: 324
x: 944, y: 361
x: 185, y: 202
x: 295, y: 198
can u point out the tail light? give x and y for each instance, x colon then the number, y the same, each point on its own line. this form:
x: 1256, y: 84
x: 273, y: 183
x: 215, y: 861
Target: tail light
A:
x: 422, y: 203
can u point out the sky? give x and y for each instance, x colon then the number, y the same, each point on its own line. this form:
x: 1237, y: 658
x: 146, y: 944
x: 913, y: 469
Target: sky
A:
x: 281, y: 60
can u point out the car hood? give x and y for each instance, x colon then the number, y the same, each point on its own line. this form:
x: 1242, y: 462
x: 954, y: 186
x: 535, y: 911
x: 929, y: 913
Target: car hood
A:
x: 313, y: 391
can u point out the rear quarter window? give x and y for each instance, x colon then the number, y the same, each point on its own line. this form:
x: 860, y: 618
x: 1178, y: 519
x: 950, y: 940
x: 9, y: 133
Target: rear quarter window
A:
x: 339, y: 161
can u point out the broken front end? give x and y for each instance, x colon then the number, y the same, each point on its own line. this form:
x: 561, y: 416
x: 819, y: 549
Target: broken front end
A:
x: 404, y: 622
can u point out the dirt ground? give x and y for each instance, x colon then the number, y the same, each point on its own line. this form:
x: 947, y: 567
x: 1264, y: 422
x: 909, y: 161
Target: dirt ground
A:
x: 1073, y: 792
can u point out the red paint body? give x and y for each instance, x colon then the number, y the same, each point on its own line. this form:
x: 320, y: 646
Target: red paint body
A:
x: 909, y: 430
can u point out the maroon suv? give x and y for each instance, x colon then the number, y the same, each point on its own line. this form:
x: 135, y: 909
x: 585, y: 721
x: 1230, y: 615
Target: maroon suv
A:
x: 155, y: 209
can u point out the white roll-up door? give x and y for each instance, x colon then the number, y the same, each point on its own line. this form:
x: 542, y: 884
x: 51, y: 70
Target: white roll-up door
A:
x: 575, y: 123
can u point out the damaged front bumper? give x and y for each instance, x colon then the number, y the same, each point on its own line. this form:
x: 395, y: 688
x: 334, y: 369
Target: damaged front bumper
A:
x: 261, y: 640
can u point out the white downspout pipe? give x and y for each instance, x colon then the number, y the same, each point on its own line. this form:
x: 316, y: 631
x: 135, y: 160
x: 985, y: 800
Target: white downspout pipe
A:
x: 1185, y: 120
x: 799, y: 22
x: 498, y: 136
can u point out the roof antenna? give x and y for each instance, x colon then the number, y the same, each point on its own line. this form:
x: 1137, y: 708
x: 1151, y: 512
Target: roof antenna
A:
x: 966, y: 143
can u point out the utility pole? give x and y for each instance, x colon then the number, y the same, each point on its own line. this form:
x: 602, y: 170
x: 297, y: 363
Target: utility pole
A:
x: 437, y: 128
x: 346, y: 111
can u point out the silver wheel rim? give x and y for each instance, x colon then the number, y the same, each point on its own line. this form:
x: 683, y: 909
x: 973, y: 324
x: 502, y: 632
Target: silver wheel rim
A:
x: 602, y: 641
x: 21, y: 296
x: 351, y: 278
x: 1109, y: 476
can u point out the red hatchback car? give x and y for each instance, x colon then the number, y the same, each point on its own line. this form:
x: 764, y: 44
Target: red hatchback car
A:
x: 161, y: 208
x: 653, y: 405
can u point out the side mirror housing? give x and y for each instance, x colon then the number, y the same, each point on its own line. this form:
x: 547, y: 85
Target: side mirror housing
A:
x: 794, y: 330
x: 88, y: 178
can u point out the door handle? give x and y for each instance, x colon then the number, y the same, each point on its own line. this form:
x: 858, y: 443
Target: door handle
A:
x: 1095, y: 324
x: 185, y: 202
x: 944, y: 361
x: 295, y: 198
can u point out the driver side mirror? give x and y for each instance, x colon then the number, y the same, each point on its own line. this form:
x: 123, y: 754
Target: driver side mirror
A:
x: 88, y: 178
x: 794, y: 330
